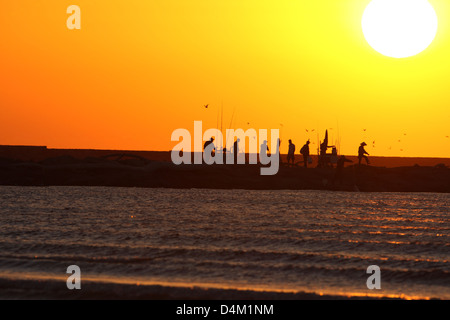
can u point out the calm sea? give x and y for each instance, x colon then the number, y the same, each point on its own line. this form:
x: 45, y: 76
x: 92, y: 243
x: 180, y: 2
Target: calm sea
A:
x: 294, y: 241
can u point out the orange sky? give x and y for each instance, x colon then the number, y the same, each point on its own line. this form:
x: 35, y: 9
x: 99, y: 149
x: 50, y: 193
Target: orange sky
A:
x: 137, y: 70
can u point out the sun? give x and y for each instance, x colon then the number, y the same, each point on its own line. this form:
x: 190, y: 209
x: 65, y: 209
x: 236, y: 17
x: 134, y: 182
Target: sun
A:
x: 399, y: 28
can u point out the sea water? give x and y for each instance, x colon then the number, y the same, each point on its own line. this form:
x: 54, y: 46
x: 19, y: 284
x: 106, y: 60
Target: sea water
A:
x: 289, y: 241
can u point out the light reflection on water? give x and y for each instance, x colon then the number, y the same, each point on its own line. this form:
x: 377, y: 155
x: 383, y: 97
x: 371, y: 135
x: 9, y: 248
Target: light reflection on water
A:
x: 311, y: 241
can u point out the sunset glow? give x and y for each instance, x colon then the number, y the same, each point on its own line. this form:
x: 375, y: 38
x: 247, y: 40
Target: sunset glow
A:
x: 137, y: 70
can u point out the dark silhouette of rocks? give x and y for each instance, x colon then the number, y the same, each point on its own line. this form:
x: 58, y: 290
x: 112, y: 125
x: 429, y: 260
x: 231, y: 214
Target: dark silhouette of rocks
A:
x: 126, y: 171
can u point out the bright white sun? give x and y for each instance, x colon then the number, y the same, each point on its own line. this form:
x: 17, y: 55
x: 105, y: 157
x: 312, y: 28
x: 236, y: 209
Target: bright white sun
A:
x: 399, y: 28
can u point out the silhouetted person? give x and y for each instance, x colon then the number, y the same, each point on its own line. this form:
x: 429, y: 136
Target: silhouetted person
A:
x: 264, y: 148
x: 236, y: 150
x: 278, y: 150
x: 207, y: 143
x: 224, y: 155
x: 323, y: 154
x: 323, y: 148
x: 339, y: 174
x: 362, y: 153
x: 323, y: 160
x: 291, y: 152
x: 305, y: 152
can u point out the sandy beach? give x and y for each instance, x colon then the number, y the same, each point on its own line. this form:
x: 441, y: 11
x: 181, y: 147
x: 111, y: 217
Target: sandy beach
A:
x: 55, y: 289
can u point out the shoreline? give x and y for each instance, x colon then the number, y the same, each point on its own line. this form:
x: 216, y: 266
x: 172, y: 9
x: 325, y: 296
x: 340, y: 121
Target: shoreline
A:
x: 55, y: 289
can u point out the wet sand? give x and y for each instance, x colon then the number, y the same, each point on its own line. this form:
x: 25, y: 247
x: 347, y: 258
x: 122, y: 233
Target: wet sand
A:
x: 56, y: 289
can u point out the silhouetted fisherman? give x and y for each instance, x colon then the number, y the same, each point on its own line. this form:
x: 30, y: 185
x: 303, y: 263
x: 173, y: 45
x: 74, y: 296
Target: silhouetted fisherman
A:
x: 305, y: 152
x: 210, y: 153
x: 323, y: 151
x: 264, y: 148
x: 207, y: 143
x: 224, y: 155
x: 339, y: 173
x: 362, y: 153
x: 236, y: 150
x: 291, y: 152
x: 278, y: 151
x: 323, y: 154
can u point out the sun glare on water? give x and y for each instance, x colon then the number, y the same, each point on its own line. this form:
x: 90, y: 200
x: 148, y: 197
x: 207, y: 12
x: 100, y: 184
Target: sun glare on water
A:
x: 399, y: 28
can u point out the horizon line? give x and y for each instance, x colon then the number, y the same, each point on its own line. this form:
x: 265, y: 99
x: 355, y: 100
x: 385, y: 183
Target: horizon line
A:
x: 169, y: 151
